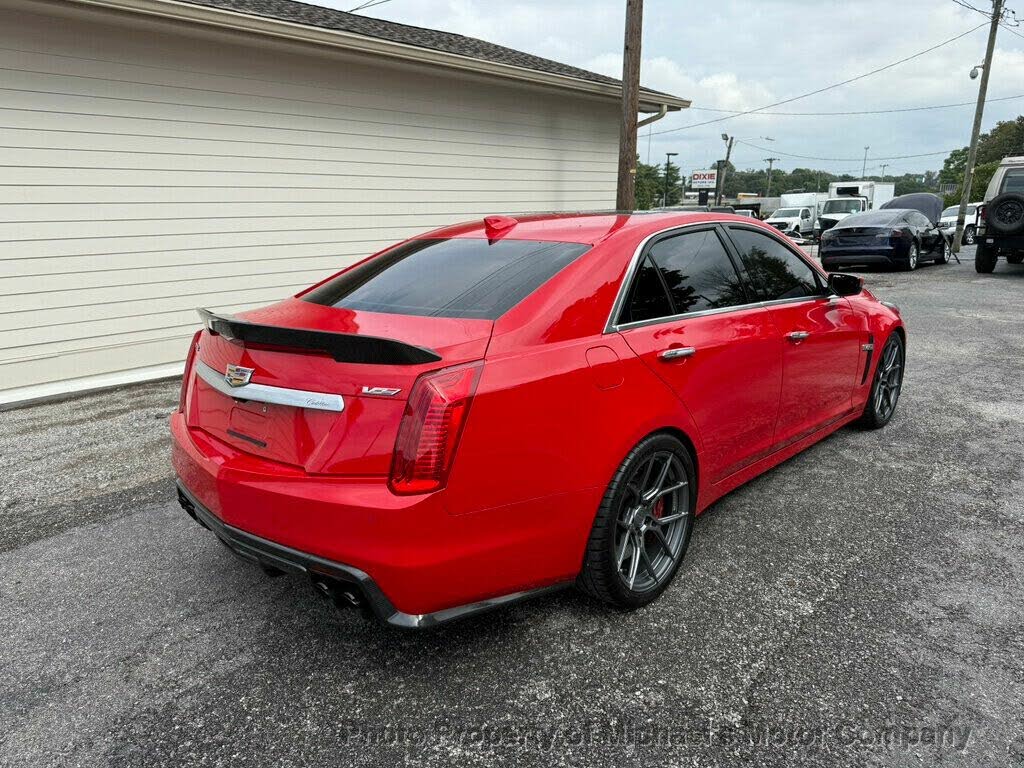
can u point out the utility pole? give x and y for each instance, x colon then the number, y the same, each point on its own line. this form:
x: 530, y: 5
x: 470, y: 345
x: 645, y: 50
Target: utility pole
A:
x: 725, y: 167
x: 864, y: 170
x: 771, y: 162
x: 884, y: 166
x: 972, y: 155
x: 625, y: 195
x: 668, y: 161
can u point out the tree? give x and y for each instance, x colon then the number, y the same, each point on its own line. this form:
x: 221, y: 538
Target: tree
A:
x: 1004, y: 140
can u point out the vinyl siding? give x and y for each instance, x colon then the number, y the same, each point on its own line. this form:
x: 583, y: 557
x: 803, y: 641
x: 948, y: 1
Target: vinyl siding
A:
x: 148, y: 168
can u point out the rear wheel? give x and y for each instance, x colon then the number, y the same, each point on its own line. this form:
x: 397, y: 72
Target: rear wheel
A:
x: 912, y: 258
x: 985, y: 258
x: 643, y: 526
x: 886, y: 386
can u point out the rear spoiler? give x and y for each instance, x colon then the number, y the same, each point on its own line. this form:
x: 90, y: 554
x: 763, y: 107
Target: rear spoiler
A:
x: 343, y: 347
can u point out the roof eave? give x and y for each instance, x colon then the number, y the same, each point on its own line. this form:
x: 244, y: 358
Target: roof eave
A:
x: 262, y: 25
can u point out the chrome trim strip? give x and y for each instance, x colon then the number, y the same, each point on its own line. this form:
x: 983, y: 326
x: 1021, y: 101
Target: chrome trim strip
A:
x: 264, y: 393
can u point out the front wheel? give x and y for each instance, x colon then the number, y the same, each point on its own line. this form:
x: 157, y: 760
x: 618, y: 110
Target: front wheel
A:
x: 969, y: 237
x: 945, y: 251
x: 886, y: 386
x: 643, y: 526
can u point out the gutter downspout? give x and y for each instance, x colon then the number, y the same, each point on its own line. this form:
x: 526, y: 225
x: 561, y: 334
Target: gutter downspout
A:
x: 654, y: 118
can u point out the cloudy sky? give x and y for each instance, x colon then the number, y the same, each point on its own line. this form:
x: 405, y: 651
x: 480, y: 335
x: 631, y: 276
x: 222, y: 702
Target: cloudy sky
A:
x: 743, y: 54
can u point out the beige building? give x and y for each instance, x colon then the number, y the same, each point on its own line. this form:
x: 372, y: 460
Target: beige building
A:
x: 159, y: 156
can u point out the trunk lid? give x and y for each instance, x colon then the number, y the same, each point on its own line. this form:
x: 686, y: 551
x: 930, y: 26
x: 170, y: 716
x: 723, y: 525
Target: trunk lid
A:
x: 369, y: 359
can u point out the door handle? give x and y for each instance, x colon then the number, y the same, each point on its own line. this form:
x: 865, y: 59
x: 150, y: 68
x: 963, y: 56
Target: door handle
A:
x: 676, y: 353
x: 797, y: 336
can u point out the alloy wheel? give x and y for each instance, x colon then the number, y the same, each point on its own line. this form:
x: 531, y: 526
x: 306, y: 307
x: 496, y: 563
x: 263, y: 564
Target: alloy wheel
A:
x: 651, y: 525
x: 915, y: 251
x: 969, y: 236
x: 890, y: 381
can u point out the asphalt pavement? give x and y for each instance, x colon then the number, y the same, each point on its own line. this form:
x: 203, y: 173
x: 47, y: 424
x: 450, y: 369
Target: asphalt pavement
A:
x: 862, y: 604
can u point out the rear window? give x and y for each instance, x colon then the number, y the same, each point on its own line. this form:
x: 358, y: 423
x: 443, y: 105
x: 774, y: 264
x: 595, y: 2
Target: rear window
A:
x: 1014, y: 180
x: 460, y: 277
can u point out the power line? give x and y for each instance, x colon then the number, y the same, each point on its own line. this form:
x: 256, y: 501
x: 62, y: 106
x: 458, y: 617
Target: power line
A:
x: 368, y: 4
x: 1008, y: 27
x: 858, y: 112
x: 827, y: 87
x: 843, y: 159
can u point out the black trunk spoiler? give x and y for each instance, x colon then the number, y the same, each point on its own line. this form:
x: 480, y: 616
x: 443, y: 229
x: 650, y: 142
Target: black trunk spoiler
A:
x: 343, y: 347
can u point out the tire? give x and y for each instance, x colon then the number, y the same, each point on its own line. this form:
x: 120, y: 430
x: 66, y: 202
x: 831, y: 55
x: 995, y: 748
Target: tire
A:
x: 944, y: 252
x: 615, y: 571
x: 880, y: 407
x: 1005, y: 214
x: 985, y: 258
x: 969, y: 236
x: 912, y: 258
x: 1016, y: 258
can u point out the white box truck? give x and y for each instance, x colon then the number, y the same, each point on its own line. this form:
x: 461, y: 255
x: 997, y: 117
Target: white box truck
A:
x: 848, y: 197
x: 797, y: 214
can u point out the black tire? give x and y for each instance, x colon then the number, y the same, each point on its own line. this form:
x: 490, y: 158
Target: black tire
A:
x: 875, y: 416
x: 945, y: 251
x: 602, y: 574
x: 985, y: 258
x: 913, y: 258
x: 1016, y: 258
x: 969, y: 236
x: 1005, y: 214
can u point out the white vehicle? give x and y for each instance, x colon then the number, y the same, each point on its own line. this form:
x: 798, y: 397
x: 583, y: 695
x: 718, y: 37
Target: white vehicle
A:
x: 798, y: 213
x: 948, y: 222
x: 792, y: 221
x: 1001, y: 217
x: 846, y: 198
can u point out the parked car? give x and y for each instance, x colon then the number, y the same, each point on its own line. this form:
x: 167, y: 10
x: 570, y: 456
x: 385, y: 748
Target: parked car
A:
x: 901, y: 234
x: 792, y: 221
x: 947, y: 222
x: 1001, y: 217
x: 503, y: 407
x: 746, y: 212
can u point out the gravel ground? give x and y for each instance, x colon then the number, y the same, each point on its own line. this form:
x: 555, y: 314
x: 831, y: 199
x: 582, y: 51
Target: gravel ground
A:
x: 860, y: 605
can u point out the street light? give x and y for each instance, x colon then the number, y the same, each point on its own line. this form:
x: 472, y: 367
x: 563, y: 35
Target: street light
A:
x: 668, y: 159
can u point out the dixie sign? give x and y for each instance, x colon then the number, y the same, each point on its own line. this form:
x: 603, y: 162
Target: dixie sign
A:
x: 704, y: 179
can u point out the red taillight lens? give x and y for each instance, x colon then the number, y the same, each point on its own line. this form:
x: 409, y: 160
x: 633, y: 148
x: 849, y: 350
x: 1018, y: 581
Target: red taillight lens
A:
x: 431, y: 426
x: 190, y: 359
x: 983, y: 213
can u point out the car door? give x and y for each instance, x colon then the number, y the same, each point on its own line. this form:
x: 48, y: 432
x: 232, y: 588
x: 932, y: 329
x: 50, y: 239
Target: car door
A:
x: 690, y: 318
x: 824, y: 336
x: 806, y: 223
x: 929, y: 234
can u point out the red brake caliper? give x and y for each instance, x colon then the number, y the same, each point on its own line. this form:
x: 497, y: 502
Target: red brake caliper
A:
x: 659, y: 508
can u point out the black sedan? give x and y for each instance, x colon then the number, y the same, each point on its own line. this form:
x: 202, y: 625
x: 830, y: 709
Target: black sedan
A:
x: 893, y: 237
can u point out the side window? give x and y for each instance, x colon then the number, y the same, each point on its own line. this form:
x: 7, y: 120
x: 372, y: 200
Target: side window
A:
x: 919, y: 220
x: 774, y: 270
x: 805, y: 213
x: 698, y: 272
x: 647, y: 297
x: 1014, y: 180
x: 684, y: 273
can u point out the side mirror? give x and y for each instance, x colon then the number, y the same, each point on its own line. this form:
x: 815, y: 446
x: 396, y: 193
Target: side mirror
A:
x: 840, y: 284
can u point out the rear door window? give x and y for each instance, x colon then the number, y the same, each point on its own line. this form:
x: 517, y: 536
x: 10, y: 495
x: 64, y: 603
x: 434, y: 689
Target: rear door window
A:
x: 774, y: 271
x: 459, y: 277
x: 684, y: 273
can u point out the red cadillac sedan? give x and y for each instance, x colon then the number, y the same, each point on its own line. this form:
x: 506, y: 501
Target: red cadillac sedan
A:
x: 510, y: 406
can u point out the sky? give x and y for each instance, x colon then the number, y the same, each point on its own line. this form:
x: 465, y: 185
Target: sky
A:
x: 744, y: 54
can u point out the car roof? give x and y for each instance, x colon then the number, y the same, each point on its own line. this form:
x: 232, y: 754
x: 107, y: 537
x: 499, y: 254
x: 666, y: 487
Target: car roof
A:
x: 586, y: 228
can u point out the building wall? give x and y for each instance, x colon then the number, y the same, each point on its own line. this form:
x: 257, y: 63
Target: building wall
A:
x: 147, y: 169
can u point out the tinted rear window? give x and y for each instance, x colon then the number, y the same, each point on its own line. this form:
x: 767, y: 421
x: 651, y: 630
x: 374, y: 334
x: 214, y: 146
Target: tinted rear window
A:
x: 871, y: 219
x: 1014, y: 181
x: 460, y: 277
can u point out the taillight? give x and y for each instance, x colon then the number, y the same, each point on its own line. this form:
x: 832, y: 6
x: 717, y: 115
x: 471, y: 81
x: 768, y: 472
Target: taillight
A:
x: 190, y: 359
x: 983, y: 213
x: 431, y: 426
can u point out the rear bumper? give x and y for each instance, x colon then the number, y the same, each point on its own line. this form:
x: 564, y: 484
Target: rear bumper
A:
x: 839, y: 256
x: 265, y: 552
x: 416, y: 564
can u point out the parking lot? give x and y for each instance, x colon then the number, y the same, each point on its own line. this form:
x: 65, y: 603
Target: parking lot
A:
x: 858, y: 605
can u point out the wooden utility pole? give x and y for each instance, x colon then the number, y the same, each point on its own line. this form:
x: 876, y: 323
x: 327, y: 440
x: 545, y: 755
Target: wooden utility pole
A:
x: 771, y: 163
x: 972, y: 155
x: 724, y: 167
x: 625, y: 196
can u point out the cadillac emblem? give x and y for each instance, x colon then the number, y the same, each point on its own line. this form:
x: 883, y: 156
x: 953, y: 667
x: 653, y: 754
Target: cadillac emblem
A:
x: 237, y: 376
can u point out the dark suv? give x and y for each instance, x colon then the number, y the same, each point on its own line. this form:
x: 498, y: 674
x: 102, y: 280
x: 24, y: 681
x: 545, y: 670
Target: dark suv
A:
x: 1001, y: 218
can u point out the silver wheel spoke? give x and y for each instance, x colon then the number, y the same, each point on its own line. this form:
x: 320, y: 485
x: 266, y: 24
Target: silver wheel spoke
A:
x: 646, y: 560
x: 622, y: 551
x: 662, y: 541
x: 634, y: 563
x: 655, y: 492
x: 668, y: 490
x: 671, y: 518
